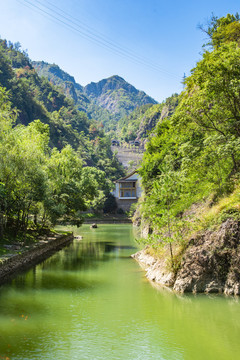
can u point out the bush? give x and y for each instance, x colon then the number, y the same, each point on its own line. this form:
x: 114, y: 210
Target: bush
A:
x: 110, y: 205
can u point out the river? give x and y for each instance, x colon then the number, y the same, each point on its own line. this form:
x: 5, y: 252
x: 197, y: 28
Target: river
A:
x: 92, y: 301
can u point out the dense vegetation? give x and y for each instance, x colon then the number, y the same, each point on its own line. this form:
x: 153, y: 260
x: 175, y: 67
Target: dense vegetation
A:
x: 195, y: 155
x: 36, y: 98
x: 55, y: 163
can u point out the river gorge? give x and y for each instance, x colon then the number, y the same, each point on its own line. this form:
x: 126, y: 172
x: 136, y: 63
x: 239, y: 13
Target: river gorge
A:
x: 91, y: 300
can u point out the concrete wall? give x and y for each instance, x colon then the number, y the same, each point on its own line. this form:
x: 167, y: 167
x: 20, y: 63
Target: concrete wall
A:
x: 10, y: 267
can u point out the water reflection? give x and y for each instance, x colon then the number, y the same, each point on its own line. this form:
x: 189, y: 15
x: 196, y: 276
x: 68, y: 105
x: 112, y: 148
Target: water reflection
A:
x: 61, y: 270
x: 82, y: 255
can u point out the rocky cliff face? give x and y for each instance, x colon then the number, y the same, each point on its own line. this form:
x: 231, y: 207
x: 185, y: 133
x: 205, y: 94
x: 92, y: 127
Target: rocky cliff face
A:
x: 211, y: 263
x: 156, y: 269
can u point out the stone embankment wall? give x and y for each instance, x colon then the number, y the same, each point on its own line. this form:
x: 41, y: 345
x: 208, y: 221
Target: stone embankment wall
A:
x: 125, y: 204
x: 9, y: 267
x: 210, y: 264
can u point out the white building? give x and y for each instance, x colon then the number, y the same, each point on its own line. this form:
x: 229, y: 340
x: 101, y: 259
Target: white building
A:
x: 127, y: 190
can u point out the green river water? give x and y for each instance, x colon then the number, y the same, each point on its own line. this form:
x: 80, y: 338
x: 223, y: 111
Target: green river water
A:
x: 92, y: 301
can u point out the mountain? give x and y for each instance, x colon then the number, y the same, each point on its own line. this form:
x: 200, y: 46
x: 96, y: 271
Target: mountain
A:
x: 106, y: 101
x: 117, y: 96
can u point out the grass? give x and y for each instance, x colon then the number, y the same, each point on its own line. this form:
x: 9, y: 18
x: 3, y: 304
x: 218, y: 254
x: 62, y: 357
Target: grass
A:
x: 92, y: 216
x: 227, y: 207
x: 162, y: 252
x: 156, y: 251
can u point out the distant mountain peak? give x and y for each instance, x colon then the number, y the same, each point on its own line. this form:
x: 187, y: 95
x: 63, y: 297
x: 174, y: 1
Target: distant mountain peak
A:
x: 117, y: 95
x: 111, y: 83
x: 116, y: 77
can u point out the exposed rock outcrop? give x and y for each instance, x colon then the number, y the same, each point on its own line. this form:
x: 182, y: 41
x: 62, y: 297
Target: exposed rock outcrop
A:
x: 210, y: 264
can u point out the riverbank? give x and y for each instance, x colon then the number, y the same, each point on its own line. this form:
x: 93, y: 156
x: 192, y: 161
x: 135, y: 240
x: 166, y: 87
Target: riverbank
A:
x: 22, y: 258
x: 210, y: 263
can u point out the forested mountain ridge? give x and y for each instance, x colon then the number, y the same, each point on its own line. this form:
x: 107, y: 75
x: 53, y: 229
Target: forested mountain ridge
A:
x: 73, y: 90
x: 105, y: 101
x: 37, y: 98
x: 55, y: 74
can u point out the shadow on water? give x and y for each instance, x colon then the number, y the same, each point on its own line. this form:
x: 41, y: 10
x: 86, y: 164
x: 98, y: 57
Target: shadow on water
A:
x: 61, y: 273
x: 46, y: 292
x: 111, y: 247
x: 49, y: 280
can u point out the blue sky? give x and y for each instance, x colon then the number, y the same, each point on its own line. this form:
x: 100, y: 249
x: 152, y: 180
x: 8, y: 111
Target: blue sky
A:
x: 150, y: 43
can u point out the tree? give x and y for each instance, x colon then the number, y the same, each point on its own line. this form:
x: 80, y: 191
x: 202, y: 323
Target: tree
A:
x: 162, y: 205
x: 211, y: 100
x: 222, y: 30
x: 72, y: 188
x: 22, y: 175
